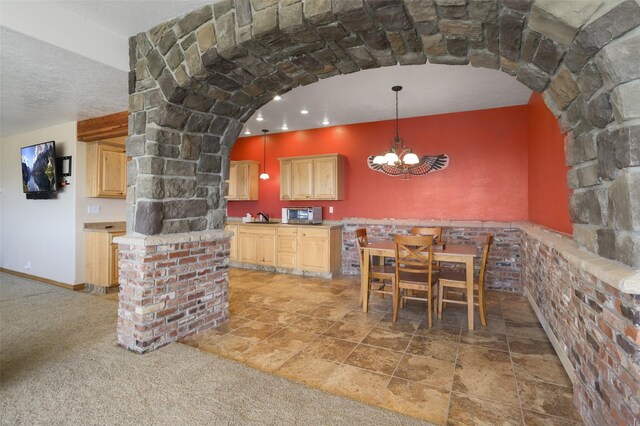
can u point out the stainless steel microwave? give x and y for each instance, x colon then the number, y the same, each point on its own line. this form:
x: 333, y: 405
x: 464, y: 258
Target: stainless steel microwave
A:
x: 304, y: 215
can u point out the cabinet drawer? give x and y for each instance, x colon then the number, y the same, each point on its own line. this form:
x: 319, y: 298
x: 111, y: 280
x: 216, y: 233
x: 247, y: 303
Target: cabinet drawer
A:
x: 287, y: 260
x: 258, y: 230
x: 316, y: 233
x: 286, y: 244
x: 287, y: 230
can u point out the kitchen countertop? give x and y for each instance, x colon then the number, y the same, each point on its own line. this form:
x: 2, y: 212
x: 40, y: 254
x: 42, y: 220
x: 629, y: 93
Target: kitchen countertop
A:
x: 323, y: 225
x: 109, y: 227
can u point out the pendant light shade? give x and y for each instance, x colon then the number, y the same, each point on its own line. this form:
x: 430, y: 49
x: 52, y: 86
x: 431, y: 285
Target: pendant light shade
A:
x: 264, y: 175
x: 411, y: 159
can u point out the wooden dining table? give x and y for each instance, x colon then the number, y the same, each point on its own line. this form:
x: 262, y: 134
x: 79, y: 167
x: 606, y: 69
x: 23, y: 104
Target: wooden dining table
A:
x: 454, y: 253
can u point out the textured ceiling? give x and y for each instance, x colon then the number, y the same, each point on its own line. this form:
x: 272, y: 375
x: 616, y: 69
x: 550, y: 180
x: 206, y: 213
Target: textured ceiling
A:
x: 131, y: 16
x: 367, y: 96
x: 42, y: 84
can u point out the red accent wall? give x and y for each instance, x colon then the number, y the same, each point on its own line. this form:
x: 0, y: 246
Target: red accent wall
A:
x: 486, y: 178
x: 548, y: 189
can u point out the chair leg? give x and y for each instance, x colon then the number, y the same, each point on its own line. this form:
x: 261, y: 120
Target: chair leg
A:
x: 396, y: 302
x: 429, y: 302
x: 482, y: 306
x: 440, y: 290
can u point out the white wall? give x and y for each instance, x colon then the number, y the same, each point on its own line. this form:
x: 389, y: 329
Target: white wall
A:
x: 48, y: 233
x: 39, y: 231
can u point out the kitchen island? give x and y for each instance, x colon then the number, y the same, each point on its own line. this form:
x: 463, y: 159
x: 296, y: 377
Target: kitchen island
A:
x: 313, y: 250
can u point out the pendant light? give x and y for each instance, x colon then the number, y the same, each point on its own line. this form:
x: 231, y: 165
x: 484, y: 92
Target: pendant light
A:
x: 264, y: 175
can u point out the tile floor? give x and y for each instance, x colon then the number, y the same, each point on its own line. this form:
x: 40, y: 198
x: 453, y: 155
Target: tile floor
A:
x: 311, y: 330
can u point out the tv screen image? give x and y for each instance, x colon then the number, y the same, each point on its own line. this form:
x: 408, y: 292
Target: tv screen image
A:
x: 39, y: 168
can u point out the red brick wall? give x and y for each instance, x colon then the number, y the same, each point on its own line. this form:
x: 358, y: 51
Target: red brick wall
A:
x: 171, y: 291
x: 504, y: 264
x: 599, y: 329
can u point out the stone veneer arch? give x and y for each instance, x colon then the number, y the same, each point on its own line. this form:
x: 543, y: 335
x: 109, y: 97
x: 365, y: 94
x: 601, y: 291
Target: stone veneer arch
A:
x: 197, y: 78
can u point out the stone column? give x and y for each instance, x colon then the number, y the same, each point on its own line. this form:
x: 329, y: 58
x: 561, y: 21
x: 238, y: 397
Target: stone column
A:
x: 171, y: 287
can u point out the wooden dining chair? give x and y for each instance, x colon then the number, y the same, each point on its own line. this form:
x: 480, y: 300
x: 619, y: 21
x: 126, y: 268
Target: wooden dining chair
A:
x: 381, y: 278
x: 414, y: 270
x: 437, y: 238
x: 420, y: 230
x: 457, y: 280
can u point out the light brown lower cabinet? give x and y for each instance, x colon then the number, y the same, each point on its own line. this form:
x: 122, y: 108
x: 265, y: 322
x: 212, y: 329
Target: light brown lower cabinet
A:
x: 101, y: 261
x: 304, y: 248
x: 287, y: 247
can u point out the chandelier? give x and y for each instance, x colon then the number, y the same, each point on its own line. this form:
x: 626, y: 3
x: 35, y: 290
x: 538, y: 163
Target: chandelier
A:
x: 400, y: 160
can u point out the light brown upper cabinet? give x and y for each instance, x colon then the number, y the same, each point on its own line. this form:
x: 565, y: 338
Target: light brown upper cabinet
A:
x: 302, y: 179
x: 243, y: 180
x: 106, y: 169
x: 317, y: 177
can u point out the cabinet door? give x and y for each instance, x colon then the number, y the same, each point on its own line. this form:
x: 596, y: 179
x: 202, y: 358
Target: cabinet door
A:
x: 325, y: 178
x: 233, y: 242
x: 302, y: 179
x: 285, y: 180
x: 233, y: 179
x: 242, y: 181
x: 313, y: 254
x: 247, y: 248
x: 112, y: 178
x: 266, y: 250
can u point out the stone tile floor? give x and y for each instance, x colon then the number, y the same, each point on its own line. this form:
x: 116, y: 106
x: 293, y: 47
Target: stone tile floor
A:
x: 311, y: 330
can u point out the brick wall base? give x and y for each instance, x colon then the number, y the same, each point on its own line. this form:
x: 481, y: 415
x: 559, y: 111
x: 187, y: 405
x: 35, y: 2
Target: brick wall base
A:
x: 171, y: 287
x: 596, y: 325
x: 504, y: 269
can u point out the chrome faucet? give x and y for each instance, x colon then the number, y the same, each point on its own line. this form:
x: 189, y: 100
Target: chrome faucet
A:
x: 263, y: 217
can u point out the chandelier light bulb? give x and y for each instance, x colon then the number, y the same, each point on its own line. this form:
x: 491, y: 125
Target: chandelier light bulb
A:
x: 379, y: 159
x: 391, y: 158
x: 411, y: 159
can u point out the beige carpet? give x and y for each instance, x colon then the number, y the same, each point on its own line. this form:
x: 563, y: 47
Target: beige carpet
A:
x: 59, y: 364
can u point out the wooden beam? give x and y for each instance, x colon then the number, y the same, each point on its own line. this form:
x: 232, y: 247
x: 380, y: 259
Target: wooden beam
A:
x: 109, y: 126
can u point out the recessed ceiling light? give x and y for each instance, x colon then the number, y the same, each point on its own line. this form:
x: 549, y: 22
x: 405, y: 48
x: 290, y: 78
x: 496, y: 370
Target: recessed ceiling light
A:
x: 284, y: 127
x: 247, y: 132
x: 277, y: 97
x: 259, y: 118
x: 325, y: 122
x: 304, y: 112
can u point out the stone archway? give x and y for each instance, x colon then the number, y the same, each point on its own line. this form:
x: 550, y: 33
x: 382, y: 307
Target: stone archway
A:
x: 194, y: 80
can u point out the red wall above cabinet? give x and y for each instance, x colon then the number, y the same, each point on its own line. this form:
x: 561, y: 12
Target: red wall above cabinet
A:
x: 486, y: 178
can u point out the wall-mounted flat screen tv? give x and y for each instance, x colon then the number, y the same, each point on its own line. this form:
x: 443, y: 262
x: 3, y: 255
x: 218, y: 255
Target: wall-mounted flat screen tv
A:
x: 39, y: 168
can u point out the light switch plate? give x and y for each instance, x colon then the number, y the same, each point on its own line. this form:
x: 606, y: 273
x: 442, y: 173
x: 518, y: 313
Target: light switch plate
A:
x: 330, y: 209
x: 93, y: 209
